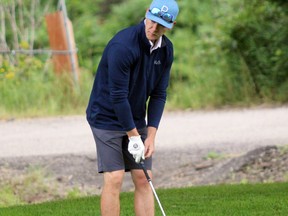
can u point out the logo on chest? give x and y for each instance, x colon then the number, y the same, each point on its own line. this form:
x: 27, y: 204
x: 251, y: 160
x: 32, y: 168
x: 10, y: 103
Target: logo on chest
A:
x: 157, y: 62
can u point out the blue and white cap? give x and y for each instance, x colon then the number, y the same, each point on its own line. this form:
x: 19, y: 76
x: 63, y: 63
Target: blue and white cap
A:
x: 163, y: 12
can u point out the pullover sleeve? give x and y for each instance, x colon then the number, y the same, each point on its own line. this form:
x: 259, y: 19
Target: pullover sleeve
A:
x: 120, y: 60
x: 158, y: 97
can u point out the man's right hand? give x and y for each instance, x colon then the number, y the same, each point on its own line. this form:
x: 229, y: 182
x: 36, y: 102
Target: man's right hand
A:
x: 136, y: 148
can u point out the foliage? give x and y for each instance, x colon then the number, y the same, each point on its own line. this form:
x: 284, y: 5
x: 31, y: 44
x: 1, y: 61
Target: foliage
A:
x: 6, y: 71
x: 200, y: 62
x: 34, y: 90
x: 227, y: 53
x: 260, y: 44
x: 22, y: 24
x: 246, y: 199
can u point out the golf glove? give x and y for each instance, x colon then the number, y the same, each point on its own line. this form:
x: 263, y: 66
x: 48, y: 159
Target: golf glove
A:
x: 136, y: 148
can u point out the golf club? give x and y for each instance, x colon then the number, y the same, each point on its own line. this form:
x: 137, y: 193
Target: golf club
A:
x: 152, y: 187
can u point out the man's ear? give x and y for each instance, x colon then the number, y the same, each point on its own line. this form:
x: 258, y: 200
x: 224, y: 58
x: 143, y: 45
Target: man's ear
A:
x: 146, y: 12
x: 174, y: 23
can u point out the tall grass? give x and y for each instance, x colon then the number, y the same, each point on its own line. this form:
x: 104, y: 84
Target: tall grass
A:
x: 34, y: 92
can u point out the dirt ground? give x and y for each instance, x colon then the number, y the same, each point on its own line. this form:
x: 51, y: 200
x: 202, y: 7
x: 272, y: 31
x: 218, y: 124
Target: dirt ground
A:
x: 171, y: 169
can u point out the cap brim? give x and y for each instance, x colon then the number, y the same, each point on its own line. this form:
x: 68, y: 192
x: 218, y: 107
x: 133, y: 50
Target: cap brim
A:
x: 159, y: 20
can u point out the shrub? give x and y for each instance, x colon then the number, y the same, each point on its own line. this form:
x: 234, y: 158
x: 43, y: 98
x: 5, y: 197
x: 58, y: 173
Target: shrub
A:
x: 259, y: 42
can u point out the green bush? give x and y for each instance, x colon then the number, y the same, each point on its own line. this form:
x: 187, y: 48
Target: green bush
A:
x: 259, y: 44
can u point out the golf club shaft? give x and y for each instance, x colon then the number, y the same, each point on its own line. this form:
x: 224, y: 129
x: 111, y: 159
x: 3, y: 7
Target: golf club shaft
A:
x: 155, y: 194
x: 152, y: 187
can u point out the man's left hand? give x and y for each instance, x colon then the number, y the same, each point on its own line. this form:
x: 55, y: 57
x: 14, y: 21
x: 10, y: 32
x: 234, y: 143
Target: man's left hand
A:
x: 136, y: 148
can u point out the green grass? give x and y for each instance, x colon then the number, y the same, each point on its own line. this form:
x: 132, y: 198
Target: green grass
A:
x: 258, y: 199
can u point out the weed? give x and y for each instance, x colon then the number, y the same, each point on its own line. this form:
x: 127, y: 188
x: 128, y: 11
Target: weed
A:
x: 212, y: 155
x: 286, y: 177
x: 244, y: 181
x: 283, y: 149
x: 33, y: 186
x: 34, y: 92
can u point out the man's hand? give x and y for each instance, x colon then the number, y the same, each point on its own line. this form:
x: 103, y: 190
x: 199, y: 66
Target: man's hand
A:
x: 136, y: 148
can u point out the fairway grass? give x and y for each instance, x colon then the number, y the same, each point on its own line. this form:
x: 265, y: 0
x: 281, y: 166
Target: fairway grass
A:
x: 247, y: 199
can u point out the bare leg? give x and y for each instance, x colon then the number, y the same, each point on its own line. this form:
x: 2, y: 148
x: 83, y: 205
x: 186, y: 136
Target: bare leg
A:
x: 110, y: 201
x: 144, y: 200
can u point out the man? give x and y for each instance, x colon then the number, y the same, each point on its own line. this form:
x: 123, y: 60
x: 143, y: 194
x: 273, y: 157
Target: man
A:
x: 134, y: 69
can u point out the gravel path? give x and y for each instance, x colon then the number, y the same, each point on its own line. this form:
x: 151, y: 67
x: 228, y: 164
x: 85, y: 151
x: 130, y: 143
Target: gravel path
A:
x: 231, y: 131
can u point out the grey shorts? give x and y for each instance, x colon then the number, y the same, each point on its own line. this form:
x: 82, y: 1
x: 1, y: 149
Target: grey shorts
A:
x: 112, y: 151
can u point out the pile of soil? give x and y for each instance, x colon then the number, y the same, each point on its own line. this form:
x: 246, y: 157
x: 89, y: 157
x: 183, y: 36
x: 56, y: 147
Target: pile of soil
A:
x: 170, y: 169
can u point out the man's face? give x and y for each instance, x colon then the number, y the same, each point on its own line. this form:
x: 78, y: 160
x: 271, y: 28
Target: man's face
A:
x: 154, y: 30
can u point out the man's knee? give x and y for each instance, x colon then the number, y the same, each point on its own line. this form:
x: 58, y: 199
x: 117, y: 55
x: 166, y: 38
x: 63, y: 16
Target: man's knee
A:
x: 114, y: 179
x: 140, y: 179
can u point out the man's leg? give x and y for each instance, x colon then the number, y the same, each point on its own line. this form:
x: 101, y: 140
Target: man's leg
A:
x: 110, y: 201
x: 144, y: 200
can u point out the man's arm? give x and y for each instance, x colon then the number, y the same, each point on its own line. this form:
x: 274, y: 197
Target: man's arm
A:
x: 158, y: 96
x: 132, y: 132
x: 120, y: 60
x: 150, y: 142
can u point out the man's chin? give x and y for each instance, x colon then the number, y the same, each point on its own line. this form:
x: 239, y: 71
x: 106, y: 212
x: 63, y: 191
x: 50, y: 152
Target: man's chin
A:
x: 152, y: 38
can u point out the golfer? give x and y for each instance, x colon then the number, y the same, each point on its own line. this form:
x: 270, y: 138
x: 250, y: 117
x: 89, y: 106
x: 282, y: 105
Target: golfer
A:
x: 130, y: 83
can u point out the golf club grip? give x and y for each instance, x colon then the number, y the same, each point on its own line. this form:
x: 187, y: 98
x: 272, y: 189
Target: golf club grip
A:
x: 145, y: 171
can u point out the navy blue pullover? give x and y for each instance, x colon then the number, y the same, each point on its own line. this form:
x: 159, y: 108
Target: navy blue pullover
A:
x: 127, y: 77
